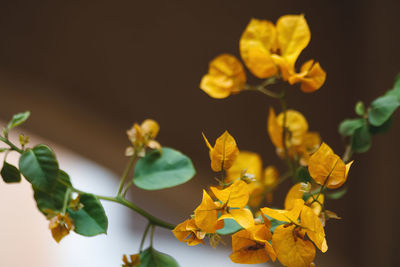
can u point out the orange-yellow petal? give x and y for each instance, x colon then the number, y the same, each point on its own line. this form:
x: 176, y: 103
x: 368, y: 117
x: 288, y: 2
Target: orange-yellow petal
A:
x: 256, y: 43
x: 313, y: 227
x: 206, y: 214
x: 246, y: 160
x: 243, y: 217
x: 285, y: 215
x: 311, y: 77
x: 293, y: 36
x: 224, y: 152
x: 292, y: 250
x: 225, y: 76
x: 327, y: 168
x: 294, y: 193
x: 234, y: 196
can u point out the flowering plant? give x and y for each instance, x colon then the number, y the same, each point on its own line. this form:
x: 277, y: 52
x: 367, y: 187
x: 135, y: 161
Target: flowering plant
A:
x: 239, y: 204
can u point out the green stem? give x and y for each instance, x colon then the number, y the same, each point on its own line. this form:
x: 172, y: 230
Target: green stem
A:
x: 120, y: 200
x: 12, y: 146
x: 66, y: 198
x: 125, y: 174
x: 347, y: 154
x: 152, y: 235
x: 144, y: 236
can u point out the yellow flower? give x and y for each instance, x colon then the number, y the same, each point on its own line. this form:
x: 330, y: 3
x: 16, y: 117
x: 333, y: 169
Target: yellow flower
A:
x: 134, y: 260
x: 231, y: 204
x: 225, y: 76
x: 142, y: 136
x: 291, y: 248
x: 327, y: 168
x: 233, y: 201
x: 245, y: 161
x: 251, y: 246
x: 206, y: 214
x: 299, y: 141
x: 249, y: 164
x: 60, y: 226
x: 256, y: 44
x: 189, y: 232
x: 224, y: 152
x: 311, y: 77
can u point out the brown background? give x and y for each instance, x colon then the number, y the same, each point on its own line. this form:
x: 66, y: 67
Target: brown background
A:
x: 88, y: 69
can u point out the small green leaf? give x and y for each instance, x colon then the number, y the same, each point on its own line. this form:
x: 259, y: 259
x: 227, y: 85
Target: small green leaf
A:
x: 18, y: 119
x: 384, y: 128
x: 90, y: 220
x: 230, y: 227
x: 337, y: 194
x: 40, y: 167
x: 359, y: 108
x: 361, y: 140
x: 153, y: 258
x: 382, y: 108
x: 168, y: 169
x: 10, y: 173
x: 349, y: 126
x: 53, y: 199
x: 303, y: 175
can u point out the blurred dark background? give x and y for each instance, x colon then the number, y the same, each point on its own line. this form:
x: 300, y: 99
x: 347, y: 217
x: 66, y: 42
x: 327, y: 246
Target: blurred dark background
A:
x: 88, y: 69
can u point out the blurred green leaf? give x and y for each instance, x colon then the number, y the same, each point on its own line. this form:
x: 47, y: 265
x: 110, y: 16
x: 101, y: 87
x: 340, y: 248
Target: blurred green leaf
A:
x: 384, y: 128
x: 18, y: 119
x: 40, y: 167
x: 230, y: 227
x: 10, y: 173
x: 53, y: 199
x: 359, y: 108
x: 349, y: 126
x: 361, y: 140
x: 90, y: 220
x: 337, y: 194
x: 157, y: 171
x: 382, y: 108
x: 303, y: 175
x: 153, y: 258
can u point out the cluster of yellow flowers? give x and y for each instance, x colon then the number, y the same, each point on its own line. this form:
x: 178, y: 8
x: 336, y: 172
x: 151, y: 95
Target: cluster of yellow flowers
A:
x: 291, y: 234
x: 267, y: 50
x: 299, y: 219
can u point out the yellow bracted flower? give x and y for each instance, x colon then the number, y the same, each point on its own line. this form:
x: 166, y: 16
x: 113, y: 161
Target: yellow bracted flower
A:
x: 231, y: 204
x: 249, y: 164
x: 133, y: 261
x: 327, y: 168
x: 224, y: 152
x: 251, y: 246
x: 311, y: 77
x: 225, y: 76
x: 288, y: 240
x: 60, y: 226
x: 189, y: 232
x: 142, y: 136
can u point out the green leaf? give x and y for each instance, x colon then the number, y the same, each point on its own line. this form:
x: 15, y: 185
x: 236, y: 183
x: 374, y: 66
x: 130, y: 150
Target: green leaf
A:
x: 53, y: 199
x: 153, y: 258
x: 18, y: 119
x: 359, y: 108
x: 382, y: 108
x: 361, y: 141
x: 303, y: 175
x: 337, y: 194
x: 90, y: 220
x: 40, y: 167
x: 10, y: 173
x: 168, y: 169
x: 349, y: 126
x: 230, y: 227
x: 384, y: 128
